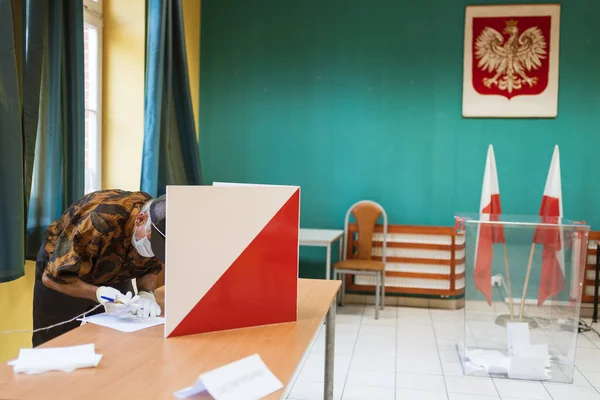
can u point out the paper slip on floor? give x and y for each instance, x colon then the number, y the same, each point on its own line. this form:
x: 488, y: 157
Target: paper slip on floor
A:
x: 122, y: 322
x: 39, y: 360
x: 245, y: 379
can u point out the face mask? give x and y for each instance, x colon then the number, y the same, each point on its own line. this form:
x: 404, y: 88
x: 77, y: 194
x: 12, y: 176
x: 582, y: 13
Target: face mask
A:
x: 143, y: 246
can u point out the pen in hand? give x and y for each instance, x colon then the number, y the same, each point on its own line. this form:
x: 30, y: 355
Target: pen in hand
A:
x: 111, y: 300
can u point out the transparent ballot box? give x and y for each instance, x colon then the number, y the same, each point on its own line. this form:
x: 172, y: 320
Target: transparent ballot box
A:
x: 523, y: 286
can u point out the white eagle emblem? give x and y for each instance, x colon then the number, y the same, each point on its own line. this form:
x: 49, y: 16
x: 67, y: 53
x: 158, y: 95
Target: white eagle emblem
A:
x: 510, y: 61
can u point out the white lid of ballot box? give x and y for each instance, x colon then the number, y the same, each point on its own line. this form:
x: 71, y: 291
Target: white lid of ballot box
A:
x: 518, y: 220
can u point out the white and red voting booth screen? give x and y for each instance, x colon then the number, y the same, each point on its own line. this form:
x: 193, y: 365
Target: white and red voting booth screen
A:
x: 231, y: 257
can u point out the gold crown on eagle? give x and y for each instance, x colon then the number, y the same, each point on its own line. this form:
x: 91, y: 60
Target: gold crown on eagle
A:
x: 511, y: 23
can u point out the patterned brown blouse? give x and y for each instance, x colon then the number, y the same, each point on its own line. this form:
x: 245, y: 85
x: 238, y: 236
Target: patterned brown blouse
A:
x: 92, y: 240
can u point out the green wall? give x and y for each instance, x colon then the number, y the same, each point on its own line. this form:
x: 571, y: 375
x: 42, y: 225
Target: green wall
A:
x: 354, y: 99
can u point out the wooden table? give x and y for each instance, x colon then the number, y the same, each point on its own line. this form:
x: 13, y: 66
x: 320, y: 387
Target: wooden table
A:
x: 143, y: 365
x: 322, y: 238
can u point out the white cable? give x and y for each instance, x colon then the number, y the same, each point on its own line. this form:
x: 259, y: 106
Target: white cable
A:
x: 51, y: 326
x: 504, y: 284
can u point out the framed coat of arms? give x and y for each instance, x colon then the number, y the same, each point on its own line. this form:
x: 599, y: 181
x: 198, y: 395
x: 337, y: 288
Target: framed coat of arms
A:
x: 511, y: 61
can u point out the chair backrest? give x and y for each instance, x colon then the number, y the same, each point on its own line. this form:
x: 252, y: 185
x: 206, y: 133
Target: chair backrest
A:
x: 366, y: 213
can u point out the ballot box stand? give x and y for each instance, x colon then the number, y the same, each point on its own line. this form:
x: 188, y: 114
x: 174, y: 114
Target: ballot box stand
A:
x: 523, y: 279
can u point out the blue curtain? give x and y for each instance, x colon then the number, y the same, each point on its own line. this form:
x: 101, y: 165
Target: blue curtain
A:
x: 170, y: 154
x: 58, y: 173
x: 21, y: 34
x: 12, y: 146
x: 41, y: 122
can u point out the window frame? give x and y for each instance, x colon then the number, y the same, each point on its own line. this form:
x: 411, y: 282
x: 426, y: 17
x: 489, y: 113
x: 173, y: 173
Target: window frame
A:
x: 92, y: 15
x: 94, y: 6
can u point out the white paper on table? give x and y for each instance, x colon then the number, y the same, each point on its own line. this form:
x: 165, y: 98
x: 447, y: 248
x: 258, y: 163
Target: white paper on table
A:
x: 196, y: 388
x: 123, y: 322
x: 245, y: 379
x: 39, y: 360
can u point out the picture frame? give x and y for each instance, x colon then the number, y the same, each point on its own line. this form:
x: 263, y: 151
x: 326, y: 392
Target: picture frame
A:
x: 511, y: 61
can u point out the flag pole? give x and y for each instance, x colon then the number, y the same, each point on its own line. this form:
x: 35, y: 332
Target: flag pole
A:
x: 526, y: 281
x: 510, y: 297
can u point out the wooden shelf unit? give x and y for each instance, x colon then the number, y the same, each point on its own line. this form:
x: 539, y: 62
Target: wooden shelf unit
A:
x: 590, y: 268
x: 426, y: 261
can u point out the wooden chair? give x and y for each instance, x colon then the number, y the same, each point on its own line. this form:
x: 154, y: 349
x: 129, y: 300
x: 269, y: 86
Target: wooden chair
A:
x: 366, y: 214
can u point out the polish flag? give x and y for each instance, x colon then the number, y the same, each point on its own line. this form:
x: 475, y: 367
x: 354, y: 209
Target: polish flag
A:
x: 488, y: 234
x: 552, y: 280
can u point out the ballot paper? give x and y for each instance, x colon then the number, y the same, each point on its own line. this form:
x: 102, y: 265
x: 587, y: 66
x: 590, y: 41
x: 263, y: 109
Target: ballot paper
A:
x: 245, y: 379
x: 490, y: 361
x: 39, y: 360
x: 517, y: 337
x: 529, y: 368
x: 123, y: 322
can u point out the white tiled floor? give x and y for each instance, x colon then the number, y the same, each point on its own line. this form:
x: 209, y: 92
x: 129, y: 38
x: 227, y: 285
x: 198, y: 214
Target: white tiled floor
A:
x: 409, y: 353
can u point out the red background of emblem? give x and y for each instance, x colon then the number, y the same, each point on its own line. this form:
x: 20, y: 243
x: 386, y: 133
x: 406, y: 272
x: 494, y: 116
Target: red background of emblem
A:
x: 499, y: 23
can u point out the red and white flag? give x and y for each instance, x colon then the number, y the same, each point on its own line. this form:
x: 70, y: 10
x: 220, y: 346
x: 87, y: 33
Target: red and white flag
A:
x: 552, y: 280
x: 488, y: 234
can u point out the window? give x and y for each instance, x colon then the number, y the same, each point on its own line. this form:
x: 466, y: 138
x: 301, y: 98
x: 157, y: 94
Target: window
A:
x: 92, y: 58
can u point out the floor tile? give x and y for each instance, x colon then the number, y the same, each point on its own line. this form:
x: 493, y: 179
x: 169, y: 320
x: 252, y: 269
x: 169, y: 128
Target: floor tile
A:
x: 383, y: 323
x: 416, y: 353
x: 578, y: 379
x: 415, y: 329
x: 417, y: 338
x: 521, y: 389
x: 313, y: 391
x: 389, y: 312
x: 584, y: 353
x: 376, y: 339
x: 470, y: 385
x: 384, y: 320
x: 374, y: 363
x: 588, y: 365
x: 570, y: 392
x: 344, y: 344
x: 510, y: 398
x: 363, y: 377
x: 318, y: 360
x: 462, y: 396
x: 360, y: 392
x: 420, y: 382
x: 450, y: 355
x: 409, y: 394
x: 363, y: 350
x: 414, y: 321
x: 319, y: 348
x: 347, y: 327
x: 419, y: 366
x: 382, y: 330
x: 443, y: 343
x: 317, y: 374
x: 348, y: 318
x: 350, y: 309
x: 413, y: 311
x: 583, y: 341
x: 372, y: 347
x: 593, y: 378
x: 313, y: 369
x: 452, y: 369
